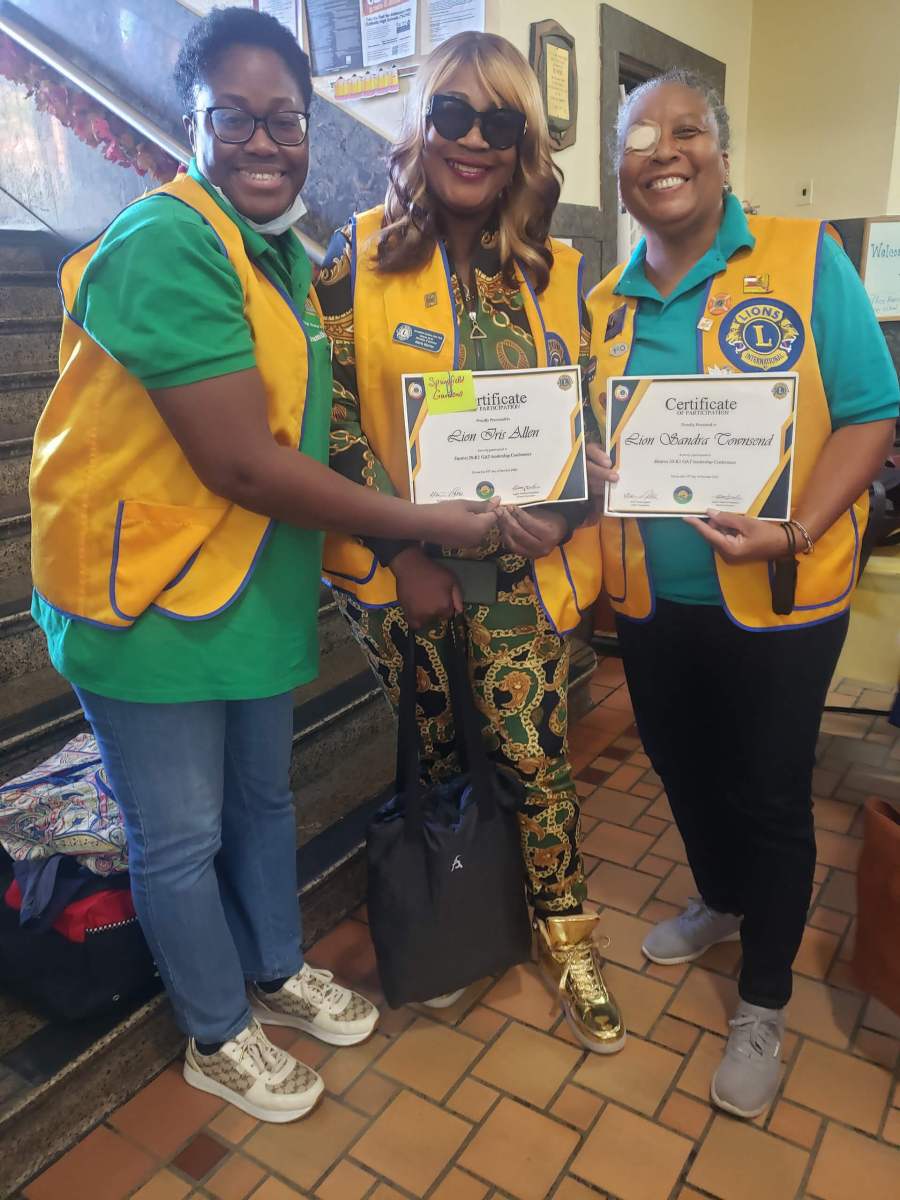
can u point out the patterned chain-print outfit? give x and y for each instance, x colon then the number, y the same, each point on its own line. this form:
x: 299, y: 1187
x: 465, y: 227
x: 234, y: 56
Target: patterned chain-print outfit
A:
x: 518, y: 665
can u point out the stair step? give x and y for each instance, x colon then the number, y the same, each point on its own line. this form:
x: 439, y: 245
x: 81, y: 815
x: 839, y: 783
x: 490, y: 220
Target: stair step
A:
x: 29, y: 294
x: 39, y: 710
x: 29, y: 343
x: 14, y: 514
x: 15, y: 456
x: 30, y: 250
x: 20, y: 257
x: 24, y: 394
x: 68, y: 1078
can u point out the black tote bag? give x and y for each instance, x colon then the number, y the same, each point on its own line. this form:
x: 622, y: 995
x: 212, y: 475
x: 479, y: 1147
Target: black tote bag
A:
x: 446, y: 897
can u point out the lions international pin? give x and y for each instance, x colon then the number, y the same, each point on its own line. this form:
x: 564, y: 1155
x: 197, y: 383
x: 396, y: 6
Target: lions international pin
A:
x: 430, y: 299
x: 705, y: 323
x: 719, y: 305
x: 618, y: 349
x: 756, y: 285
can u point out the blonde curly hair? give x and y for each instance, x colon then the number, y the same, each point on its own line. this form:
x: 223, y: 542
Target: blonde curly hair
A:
x: 408, y: 234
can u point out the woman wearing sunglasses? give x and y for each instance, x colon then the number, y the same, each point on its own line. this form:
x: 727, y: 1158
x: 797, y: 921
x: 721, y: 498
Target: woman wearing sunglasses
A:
x: 178, y: 483
x: 456, y: 270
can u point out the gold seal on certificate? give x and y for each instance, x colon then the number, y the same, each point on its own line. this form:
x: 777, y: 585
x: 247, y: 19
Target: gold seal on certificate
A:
x: 517, y: 435
x: 687, y: 443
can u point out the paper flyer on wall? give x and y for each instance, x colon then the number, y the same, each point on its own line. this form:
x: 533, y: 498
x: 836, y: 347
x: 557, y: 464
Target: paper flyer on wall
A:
x: 284, y: 11
x: 335, y: 35
x: 388, y: 30
x: 447, y: 17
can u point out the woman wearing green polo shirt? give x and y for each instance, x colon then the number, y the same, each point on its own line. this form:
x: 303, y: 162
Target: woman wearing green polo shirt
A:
x: 177, y: 554
x: 728, y: 657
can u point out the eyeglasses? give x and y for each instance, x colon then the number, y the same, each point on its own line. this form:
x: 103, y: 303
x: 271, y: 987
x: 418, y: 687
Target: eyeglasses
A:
x: 453, y: 118
x: 234, y: 126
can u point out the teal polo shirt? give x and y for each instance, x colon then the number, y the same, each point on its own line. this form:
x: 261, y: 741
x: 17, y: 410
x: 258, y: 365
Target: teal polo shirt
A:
x: 161, y: 296
x: 859, y: 377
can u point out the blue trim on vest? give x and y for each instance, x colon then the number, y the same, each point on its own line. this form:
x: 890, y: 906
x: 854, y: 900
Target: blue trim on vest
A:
x: 540, y: 314
x: 74, y: 616
x: 353, y: 257
x: 357, y: 578
x: 449, y: 279
x: 356, y: 599
x: 114, y: 566
x: 853, y: 567
x: 703, y: 304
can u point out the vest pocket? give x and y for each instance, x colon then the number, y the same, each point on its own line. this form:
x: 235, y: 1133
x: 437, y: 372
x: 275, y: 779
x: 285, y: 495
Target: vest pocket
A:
x: 826, y: 577
x: 153, y: 545
x: 348, y: 561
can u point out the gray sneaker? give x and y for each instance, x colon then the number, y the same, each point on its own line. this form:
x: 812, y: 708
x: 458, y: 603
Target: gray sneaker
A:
x: 748, y: 1077
x: 683, y: 938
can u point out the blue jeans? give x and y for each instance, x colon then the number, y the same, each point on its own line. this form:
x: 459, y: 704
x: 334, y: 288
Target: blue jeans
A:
x: 209, y: 815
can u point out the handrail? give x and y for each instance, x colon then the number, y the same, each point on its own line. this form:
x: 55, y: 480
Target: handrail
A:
x: 121, y: 108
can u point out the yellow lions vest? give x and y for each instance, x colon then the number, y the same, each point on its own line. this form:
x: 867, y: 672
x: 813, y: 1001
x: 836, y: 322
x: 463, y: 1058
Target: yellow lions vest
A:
x: 756, y: 316
x: 407, y: 323
x: 120, y: 521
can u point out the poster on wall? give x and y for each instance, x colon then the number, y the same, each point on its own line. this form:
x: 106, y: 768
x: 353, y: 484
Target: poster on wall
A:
x: 335, y: 35
x: 284, y: 11
x: 203, y: 7
x: 880, y: 266
x: 446, y: 17
x: 388, y: 30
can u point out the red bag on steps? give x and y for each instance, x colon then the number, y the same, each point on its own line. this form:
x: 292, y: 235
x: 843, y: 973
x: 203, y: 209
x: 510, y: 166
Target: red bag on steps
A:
x: 876, y: 961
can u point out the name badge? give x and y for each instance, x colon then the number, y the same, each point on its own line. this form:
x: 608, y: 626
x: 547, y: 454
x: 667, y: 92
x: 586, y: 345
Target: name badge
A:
x: 419, y: 338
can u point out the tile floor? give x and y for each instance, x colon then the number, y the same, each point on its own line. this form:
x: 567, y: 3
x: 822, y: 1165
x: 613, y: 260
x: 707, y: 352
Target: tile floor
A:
x: 491, y: 1099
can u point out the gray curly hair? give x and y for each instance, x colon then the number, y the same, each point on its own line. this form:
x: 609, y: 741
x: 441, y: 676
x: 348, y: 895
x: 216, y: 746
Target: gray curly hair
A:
x: 688, y: 79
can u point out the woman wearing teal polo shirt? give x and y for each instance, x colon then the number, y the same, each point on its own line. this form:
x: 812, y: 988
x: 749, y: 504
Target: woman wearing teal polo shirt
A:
x: 176, y: 553
x: 727, y: 658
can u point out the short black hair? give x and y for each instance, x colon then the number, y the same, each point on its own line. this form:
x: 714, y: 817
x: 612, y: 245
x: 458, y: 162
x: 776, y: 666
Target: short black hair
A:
x: 689, y: 79
x: 209, y: 39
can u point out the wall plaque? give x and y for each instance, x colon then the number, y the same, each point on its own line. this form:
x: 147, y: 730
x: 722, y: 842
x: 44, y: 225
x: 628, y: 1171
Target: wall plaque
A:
x: 552, y: 56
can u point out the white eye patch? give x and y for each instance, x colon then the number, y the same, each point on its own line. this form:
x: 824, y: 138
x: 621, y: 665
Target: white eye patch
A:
x: 642, y: 138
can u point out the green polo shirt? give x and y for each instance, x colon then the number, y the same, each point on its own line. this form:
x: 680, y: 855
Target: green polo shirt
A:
x: 859, y: 377
x: 162, y: 298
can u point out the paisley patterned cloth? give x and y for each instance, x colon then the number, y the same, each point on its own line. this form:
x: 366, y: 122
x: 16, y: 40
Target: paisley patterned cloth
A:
x: 520, y: 675
x: 65, y: 806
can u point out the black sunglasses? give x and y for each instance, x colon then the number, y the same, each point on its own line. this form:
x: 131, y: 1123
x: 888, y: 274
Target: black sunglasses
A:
x: 453, y: 118
x: 234, y: 126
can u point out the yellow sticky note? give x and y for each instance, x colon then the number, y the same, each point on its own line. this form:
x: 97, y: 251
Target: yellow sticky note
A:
x: 449, y: 391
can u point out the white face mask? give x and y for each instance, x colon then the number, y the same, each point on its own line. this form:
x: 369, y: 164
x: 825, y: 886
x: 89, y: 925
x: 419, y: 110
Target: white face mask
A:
x: 277, y: 225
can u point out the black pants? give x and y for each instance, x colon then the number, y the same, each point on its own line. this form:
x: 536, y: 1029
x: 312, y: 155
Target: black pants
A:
x: 729, y: 720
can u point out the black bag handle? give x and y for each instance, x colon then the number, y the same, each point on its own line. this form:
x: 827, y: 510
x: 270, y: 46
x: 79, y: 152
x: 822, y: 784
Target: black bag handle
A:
x: 469, y: 744
x: 466, y: 722
x: 409, y: 785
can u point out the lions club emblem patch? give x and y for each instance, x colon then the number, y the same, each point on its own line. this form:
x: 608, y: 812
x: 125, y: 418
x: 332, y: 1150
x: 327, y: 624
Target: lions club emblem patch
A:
x: 762, y: 335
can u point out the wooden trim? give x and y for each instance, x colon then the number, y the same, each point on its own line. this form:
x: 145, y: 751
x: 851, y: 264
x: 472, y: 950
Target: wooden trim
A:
x: 561, y: 135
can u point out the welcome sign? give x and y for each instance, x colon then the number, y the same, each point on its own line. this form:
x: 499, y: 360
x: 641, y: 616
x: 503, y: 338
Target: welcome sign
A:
x: 880, y: 266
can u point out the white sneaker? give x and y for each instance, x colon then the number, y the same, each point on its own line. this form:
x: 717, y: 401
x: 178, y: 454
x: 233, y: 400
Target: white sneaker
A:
x: 750, y: 1072
x: 312, y: 1002
x: 445, y: 1001
x: 255, y: 1076
x: 688, y: 936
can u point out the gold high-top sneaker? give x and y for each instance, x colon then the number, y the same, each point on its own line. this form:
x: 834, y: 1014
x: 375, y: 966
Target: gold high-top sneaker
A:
x: 567, y: 956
